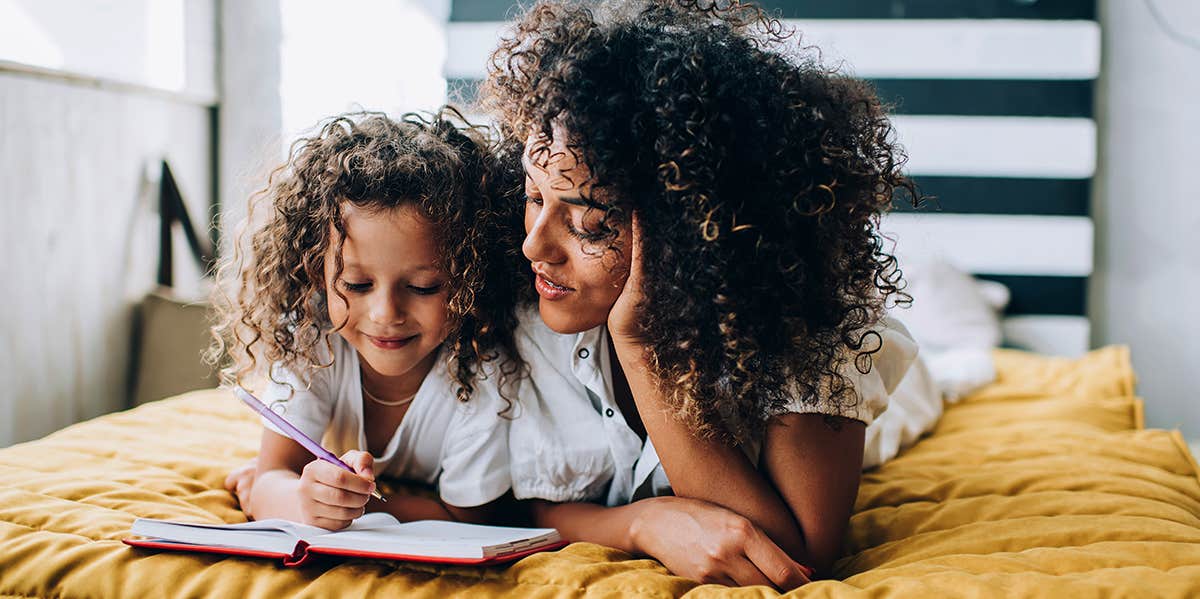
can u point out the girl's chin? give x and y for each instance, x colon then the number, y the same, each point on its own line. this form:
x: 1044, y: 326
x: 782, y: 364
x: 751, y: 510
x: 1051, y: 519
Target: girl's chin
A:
x: 390, y: 368
x: 390, y: 365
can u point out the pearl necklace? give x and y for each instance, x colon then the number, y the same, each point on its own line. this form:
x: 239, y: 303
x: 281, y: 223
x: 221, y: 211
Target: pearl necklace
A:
x: 390, y: 404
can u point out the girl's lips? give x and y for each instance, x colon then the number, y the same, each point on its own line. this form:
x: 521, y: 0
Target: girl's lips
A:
x: 549, y: 290
x: 390, y: 342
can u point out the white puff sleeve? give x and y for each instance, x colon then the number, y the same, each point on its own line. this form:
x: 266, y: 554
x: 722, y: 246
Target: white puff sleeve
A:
x: 475, y: 464
x: 558, y: 444
x: 308, y: 407
x: 888, y: 367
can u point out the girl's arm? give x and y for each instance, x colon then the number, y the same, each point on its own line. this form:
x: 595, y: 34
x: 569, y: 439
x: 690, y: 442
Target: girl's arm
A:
x: 292, y: 485
x: 407, y: 508
x: 279, y: 490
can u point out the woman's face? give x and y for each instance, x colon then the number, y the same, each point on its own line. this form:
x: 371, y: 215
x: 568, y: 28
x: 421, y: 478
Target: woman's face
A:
x: 577, y: 281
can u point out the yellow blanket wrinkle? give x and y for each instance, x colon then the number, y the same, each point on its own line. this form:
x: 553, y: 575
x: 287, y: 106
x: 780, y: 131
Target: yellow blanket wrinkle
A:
x: 1042, y: 484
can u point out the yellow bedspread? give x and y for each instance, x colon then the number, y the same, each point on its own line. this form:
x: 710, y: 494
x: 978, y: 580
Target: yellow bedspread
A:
x: 1042, y: 484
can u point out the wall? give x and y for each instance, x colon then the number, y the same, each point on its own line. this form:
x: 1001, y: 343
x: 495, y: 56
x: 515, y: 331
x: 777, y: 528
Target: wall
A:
x: 1146, y: 204
x: 250, y: 122
x: 91, y: 97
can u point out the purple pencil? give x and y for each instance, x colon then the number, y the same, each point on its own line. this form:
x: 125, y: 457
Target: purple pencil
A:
x: 295, y: 433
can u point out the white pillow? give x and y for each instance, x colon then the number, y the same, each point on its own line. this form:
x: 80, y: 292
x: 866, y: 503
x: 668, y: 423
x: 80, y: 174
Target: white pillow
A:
x: 951, y: 309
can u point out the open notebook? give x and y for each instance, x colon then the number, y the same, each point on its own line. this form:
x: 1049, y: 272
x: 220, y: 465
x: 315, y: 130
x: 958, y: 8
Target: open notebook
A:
x: 376, y: 535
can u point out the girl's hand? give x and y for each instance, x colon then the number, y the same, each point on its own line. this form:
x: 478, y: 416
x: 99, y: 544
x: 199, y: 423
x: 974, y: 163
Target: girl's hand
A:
x: 331, y: 497
x: 711, y: 544
x: 622, y: 319
x: 240, y: 482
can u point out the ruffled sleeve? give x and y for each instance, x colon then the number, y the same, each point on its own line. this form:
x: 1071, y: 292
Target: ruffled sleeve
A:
x: 475, y: 464
x: 888, y: 367
x: 307, y: 406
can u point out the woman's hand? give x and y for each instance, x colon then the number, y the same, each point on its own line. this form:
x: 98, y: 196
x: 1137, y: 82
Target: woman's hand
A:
x: 711, y: 544
x: 240, y: 482
x: 622, y: 319
x: 331, y: 497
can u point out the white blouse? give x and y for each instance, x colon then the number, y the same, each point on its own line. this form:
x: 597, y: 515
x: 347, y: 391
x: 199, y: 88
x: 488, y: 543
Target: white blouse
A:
x: 462, y: 447
x: 570, y: 441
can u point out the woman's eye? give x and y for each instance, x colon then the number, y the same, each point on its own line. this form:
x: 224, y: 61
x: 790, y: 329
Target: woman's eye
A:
x: 355, y: 287
x: 425, y: 290
x: 533, y: 200
x: 584, y: 233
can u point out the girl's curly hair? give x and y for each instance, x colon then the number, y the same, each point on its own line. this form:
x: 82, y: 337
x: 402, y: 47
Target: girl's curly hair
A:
x: 758, y: 177
x: 442, y: 165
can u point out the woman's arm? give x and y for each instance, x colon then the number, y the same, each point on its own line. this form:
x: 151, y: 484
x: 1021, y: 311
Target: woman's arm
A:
x: 789, y: 499
x: 705, y: 469
x: 693, y: 539
x: 815, y: 461
x: 812, y: 465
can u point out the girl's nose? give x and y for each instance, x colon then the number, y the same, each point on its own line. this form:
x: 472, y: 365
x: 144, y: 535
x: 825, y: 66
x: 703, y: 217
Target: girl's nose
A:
x: 386, y: 308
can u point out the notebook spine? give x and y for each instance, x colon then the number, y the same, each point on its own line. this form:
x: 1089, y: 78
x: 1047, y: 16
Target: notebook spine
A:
x: 300, y: 556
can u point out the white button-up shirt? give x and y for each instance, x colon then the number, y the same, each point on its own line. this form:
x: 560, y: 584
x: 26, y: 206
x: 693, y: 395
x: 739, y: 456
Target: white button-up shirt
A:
x: 570, y: 441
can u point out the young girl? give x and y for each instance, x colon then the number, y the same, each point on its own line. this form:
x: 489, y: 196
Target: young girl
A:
x: 702, y: 226
x: 380, y: 317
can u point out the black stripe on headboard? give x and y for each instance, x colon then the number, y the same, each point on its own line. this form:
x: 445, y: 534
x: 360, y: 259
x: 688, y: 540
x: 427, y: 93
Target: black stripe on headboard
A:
x: 499, y: 10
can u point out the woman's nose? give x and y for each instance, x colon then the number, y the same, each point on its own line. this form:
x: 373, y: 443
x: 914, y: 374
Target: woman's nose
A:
x: 542, y: 242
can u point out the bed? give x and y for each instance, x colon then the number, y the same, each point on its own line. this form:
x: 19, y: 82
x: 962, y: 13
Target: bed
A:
x: 1043, y: 483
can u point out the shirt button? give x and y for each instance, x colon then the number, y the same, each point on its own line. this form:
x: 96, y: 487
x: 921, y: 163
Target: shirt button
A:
x: 584, y: 353
x: 609, y: 412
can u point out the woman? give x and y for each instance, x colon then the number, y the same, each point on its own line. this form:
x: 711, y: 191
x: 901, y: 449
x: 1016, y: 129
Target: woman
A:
x: 702, y: 228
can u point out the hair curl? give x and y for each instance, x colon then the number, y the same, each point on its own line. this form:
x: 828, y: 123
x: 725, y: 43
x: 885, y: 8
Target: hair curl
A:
x: 441, y: 164
x: 758, y: 177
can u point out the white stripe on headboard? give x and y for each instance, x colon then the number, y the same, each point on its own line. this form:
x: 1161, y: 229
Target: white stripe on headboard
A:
x: 999, y: 244
x: 998, y: 146
x: 891, y: 48
x: 1054, y: 335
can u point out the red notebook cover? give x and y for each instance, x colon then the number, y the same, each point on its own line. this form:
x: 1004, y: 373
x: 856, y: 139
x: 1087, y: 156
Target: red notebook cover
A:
x: 304, y: 553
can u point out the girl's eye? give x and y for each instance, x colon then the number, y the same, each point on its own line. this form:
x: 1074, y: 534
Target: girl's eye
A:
x: 355, y: 287
x: 533, y: 200
x: 425, y: 290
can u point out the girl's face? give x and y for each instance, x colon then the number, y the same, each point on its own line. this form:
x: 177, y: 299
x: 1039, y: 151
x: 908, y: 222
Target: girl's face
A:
x: 395, y: 308
x: 577, y: 282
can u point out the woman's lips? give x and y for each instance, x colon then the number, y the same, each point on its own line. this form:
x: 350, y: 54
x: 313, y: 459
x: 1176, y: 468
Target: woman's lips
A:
x: 390, y: 342
x: 549, y: 289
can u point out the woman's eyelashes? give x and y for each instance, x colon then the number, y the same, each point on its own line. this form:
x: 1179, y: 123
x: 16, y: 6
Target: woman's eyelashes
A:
x: 579, y: 234
x: 584, y: 232
x: 581, y: 231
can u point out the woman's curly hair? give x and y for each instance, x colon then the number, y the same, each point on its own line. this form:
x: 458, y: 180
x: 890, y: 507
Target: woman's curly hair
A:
x: 758, y: 177
x: 442, y: 165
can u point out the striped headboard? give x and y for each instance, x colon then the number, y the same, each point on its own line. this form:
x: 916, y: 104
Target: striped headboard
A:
x: 993, y: 103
